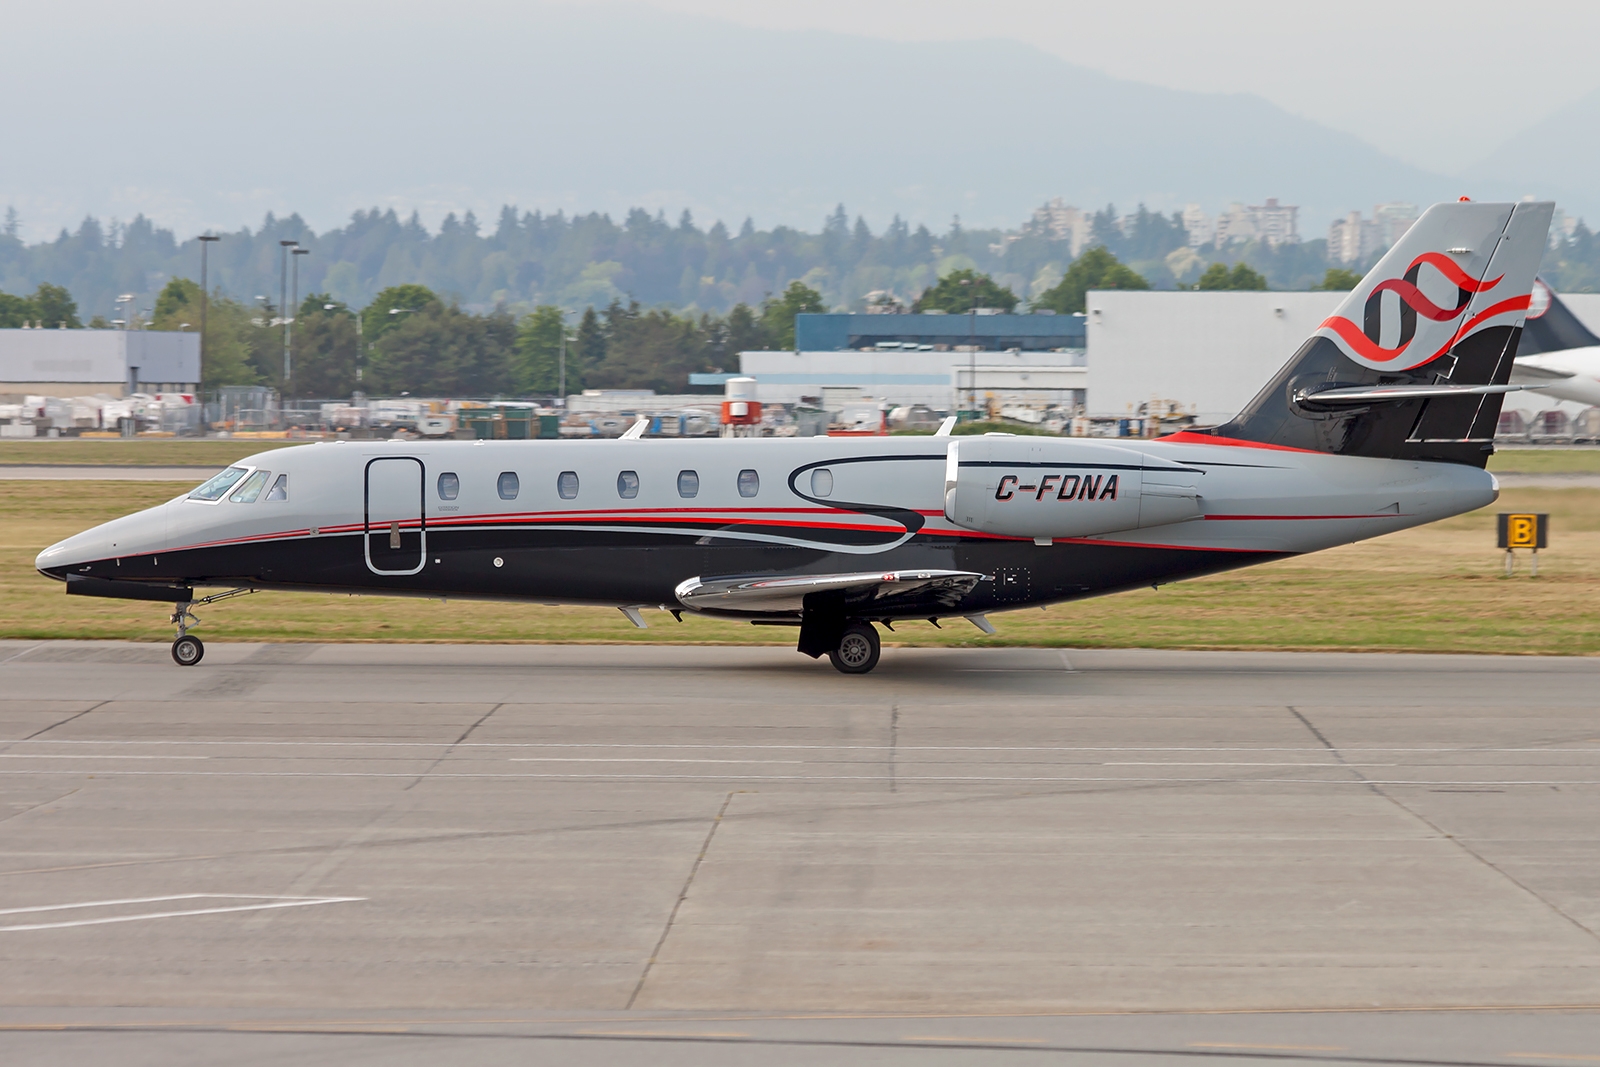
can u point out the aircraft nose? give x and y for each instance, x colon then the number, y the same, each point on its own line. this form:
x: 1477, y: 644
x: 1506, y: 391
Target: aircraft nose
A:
x: 131, y: 535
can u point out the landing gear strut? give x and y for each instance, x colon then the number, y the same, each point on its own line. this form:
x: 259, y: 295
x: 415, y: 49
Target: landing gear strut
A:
x: 186, y: 649
x: 858, y: 649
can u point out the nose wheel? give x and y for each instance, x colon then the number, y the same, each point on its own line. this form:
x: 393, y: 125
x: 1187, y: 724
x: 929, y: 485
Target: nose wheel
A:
x: 858, y: 649
x: 187, y: 651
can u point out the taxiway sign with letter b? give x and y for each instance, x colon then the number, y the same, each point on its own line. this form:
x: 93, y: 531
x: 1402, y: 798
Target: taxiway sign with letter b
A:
x: 1523, y: 531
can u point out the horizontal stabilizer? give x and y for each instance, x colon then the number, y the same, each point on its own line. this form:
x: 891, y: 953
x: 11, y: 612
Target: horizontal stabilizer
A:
x: 777, y: 595
x: 1373, y: 394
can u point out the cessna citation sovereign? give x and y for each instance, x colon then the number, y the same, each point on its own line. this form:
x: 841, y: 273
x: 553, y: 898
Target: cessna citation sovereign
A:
x: 1382, y: 420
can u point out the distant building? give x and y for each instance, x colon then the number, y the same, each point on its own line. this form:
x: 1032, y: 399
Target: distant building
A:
x: 1028, y: 333
x: 1062, y: 222
x: 1273, y: 223
x: 83, y: 362
x: 1276, y: 224
x: 1353, y: 239
x: 1198, y: 225
x: 944, y: 381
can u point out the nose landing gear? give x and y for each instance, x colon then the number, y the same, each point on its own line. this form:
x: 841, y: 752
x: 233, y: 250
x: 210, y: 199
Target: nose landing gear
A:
x: 188, y: 650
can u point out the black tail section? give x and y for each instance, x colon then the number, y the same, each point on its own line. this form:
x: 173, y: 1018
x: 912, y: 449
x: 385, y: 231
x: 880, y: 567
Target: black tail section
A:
x: 1551, y: 325
x: 1413, y: 363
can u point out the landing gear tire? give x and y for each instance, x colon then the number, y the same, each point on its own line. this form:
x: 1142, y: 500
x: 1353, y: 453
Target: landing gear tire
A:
x: 858, y: 649
x: 187, y: 651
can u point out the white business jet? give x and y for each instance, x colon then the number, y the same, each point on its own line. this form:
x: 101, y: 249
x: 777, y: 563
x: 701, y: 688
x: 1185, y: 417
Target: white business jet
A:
x: 1382, y: 420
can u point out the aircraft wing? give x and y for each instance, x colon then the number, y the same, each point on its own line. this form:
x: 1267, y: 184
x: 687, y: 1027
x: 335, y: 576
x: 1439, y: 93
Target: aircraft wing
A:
x: 870, y: 591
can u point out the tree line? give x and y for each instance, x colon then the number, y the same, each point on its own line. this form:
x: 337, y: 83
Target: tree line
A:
x: 410, y: 339
x: 530, y: 259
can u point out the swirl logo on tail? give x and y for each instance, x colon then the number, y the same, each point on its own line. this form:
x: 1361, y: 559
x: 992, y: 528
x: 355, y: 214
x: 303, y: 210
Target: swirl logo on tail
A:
x: 1363, y: 343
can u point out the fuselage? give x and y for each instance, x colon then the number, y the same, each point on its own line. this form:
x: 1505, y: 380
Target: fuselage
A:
x: 624, y: 523
x: 1581, y: 365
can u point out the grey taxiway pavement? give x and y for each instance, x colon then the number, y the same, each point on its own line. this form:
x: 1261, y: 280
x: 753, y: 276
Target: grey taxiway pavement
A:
x: 653, y: 854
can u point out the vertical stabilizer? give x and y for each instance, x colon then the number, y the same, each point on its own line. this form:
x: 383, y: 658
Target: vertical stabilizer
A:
x: 1551, y: 325
x: 1439, y: 316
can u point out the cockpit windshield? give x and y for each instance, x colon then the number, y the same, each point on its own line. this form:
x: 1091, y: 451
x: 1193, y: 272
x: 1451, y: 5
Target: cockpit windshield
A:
x: 214, y: 489
x: 250, y: 488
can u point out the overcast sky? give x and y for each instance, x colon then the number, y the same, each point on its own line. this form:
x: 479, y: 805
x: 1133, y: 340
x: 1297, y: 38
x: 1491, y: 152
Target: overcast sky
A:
x: 208, y: 113
x: 1437, y: 84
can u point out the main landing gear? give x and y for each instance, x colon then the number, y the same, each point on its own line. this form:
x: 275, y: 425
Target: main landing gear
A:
x: 858, y: 649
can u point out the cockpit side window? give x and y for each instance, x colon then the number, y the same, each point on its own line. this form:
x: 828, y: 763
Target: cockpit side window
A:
x: 250, y: 488
x: 214, y: 489
x: 280, y: 489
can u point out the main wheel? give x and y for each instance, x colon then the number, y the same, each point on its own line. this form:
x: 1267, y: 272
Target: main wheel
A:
x: 858, y: 649
x: 187, y: 651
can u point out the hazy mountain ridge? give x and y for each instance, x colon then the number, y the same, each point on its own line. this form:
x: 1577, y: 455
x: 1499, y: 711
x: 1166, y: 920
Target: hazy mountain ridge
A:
x: 608, y: 108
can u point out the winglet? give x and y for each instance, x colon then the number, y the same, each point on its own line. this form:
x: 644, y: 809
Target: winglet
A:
x: 946, y: 426
x: 636, y: 431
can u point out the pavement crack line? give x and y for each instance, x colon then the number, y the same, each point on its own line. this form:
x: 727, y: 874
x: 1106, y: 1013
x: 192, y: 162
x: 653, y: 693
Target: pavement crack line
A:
x: 452, y: 746
x: 683, y: 894
x: 314, y: 875
x: 19, y: 655
x: 1440, y: 831
x: 894, y: 741
x: 52, y: 726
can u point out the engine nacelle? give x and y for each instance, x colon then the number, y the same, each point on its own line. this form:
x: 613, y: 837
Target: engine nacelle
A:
x: 1063, y: 487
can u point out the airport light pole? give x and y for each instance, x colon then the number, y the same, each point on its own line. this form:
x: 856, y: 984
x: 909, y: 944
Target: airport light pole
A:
x: 283, y: 298
x: 561, y: 380
x: 357, y: 315
x: 288, y: 327
x: 205, y: 300
x: 972, y: 346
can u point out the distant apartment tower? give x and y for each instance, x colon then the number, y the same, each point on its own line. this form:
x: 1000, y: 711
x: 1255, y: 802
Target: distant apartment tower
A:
x: 1274, y: 223
x: 1062, y: 222
x: 1277, y: 224
x: 1353, y: 239
x: 1198, y: 225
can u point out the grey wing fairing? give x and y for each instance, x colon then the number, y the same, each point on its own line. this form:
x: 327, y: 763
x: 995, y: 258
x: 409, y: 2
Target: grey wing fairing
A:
x: 887, y: 593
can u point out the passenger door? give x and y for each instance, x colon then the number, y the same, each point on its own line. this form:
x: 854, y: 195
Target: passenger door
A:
x: 396, y: 540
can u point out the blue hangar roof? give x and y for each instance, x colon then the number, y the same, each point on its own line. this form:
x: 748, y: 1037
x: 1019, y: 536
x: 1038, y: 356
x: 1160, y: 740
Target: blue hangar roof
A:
x: 1031, y: 333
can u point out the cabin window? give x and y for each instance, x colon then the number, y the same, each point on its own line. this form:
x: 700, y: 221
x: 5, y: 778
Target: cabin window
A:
x: 822, y: 482
x: 507, y: 485
x: 250, y: 488
x: 628, y: 484
x: 450, y: 485
x: 749, y: 483
x: 688, y: 484
x: 567, y: 485
x: 280, y: 489
x: 214, y: 489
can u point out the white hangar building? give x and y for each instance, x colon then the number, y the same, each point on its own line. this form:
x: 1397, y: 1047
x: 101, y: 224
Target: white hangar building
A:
x: 1211, y: 352
x: 82, y: 362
